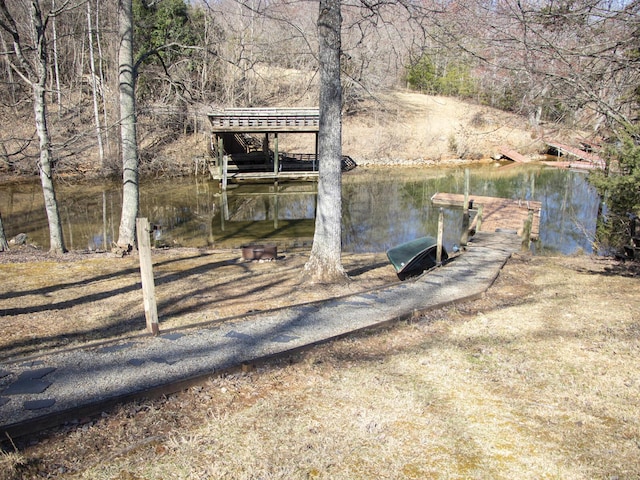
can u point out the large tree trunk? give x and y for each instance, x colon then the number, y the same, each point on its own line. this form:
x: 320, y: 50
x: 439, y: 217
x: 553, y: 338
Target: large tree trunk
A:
x: 38, y: 84
x: 56, y: 243
x: 129, y: 145
x: 325, y: 264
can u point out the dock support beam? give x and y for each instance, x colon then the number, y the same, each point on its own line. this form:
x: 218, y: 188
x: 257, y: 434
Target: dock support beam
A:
x: 276, y: 155
x: 220, y: 154
x: 465, y: 211
x: 526, y: 232
x: 225, y: 170
x: 439, y: 238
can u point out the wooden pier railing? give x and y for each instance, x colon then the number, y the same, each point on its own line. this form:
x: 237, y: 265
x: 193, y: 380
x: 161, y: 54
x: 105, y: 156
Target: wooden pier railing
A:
x: 498, y: 213
x: 265, y: 120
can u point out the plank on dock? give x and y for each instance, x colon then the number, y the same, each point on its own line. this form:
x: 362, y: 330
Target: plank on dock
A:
x: 498, y: 213
x: 511, y: 154
x: 592, y: 158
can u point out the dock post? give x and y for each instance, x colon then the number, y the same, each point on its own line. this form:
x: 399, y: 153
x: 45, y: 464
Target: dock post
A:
x: 225, y: 167
x: 465, y: 211
x: 440, y: 235
x: 220, y: 154
x: 146, y: 272
x: 276, y: 155
x: 526, y: 232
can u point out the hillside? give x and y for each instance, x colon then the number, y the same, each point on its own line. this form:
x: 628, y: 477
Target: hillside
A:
x: 423, y: 128
x: 393, y: 128
x: 408, y: 128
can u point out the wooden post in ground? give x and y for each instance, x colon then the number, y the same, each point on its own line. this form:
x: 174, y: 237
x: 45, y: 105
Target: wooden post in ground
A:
x: 465, y: 211
x: 440, y: 235
x: 479, y: 218
x: 526, y: 232
x: 146, y: 271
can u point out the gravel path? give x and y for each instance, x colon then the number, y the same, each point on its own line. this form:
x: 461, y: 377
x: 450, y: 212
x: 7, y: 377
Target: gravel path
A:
x: 51, y: 389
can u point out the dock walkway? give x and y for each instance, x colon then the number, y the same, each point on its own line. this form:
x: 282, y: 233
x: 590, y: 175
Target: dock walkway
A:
x: 497, y: 213
x: 57, y: 387
x: 587, y: 160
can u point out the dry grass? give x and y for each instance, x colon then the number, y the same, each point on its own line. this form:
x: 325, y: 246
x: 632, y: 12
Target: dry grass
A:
x: 410, y: 126
x: 539, y: 379
x: 62, y: 301
x: 404, y: 127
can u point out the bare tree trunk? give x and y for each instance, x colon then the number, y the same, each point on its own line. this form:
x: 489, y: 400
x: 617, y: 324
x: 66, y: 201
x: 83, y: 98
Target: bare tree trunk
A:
x: 4, y: 245
x: 129, y: 145
x: 34, y: 73
x: 94, y: 88
x: 325, y: 264
x: 103, y: 82
x: 56, y: 66
x: 56, y: 243
x: 12, y: 85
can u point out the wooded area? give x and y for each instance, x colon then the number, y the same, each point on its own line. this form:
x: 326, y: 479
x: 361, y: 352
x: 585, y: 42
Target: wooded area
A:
x: 574, y: 61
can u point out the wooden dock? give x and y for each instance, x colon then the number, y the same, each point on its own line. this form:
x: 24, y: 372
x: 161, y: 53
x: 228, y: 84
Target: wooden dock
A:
x: 587, y: 160
x: 265, y: 120
x: 511, y: 154
x: 244, y: 144
x: 498, y: 214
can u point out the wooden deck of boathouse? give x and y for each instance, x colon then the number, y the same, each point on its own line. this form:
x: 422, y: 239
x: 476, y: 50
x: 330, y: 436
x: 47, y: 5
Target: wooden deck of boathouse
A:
x: 237, y: 155
x: 498, y: 214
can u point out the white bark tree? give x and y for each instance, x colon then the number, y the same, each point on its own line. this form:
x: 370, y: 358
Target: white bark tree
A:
x: 94, y: 86
x: 31, y: 64
x: 128, y: 136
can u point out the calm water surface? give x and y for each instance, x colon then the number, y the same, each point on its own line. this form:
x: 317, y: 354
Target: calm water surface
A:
x: 381, y: 208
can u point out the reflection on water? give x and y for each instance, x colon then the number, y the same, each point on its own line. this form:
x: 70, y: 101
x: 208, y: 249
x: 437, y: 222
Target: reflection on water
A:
x: 381, y: 208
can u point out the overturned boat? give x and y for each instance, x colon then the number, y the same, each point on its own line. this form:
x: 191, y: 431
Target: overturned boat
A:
x: 412, y: 258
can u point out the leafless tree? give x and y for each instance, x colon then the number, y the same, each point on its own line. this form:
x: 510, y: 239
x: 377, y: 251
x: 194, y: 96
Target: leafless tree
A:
x: 575, y: 61
x: 94, y: 84
x: 31, y: 64
x: 128, y: 136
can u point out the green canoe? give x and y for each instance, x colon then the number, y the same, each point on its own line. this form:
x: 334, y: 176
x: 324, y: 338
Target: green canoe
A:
x: 412, y: 258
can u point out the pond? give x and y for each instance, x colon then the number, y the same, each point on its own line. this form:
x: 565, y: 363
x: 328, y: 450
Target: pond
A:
x: 382, y: 207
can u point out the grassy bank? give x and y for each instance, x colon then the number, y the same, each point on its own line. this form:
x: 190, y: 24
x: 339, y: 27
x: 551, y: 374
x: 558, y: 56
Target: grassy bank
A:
x: 538, y: 379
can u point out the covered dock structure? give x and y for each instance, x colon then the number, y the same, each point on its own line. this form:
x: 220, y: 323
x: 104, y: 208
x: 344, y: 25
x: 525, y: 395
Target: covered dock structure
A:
x: 244, y: 145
